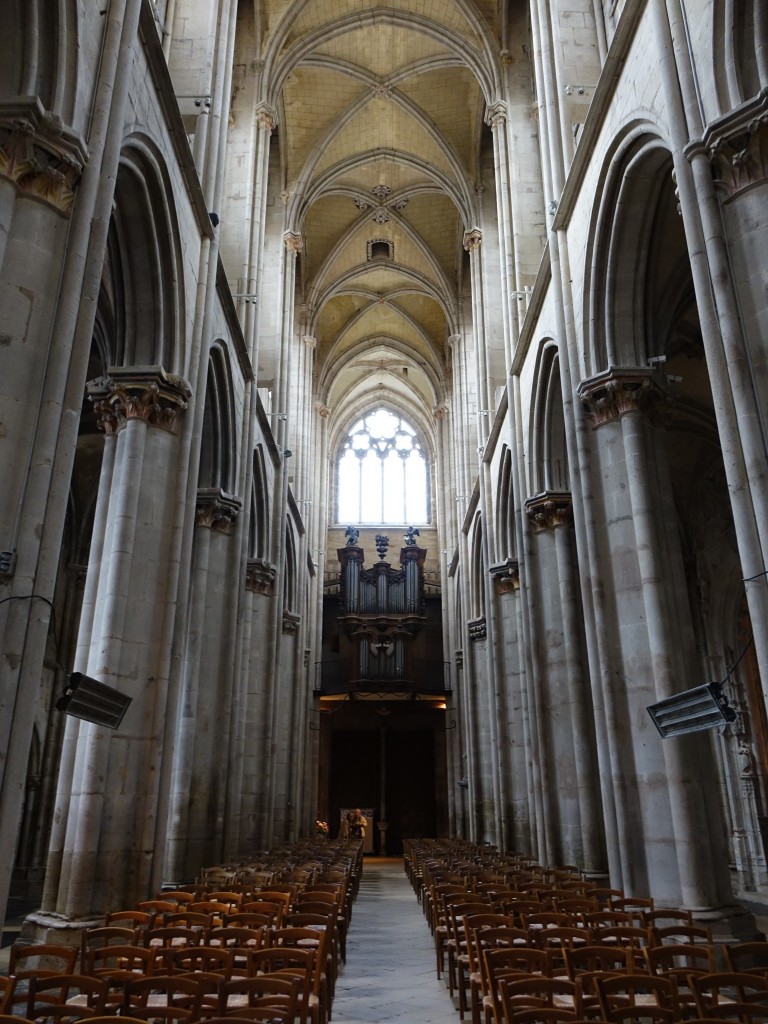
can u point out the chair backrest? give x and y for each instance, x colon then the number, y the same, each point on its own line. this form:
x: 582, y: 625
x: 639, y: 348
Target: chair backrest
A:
x: 118, y: 961
x: 614, y: 991
x: 178, y: 993
x: 178, y: 936
x: 680, y: 959
x: 43, y: 958
x: 60, y: 990
x: 681, y: 933
x: 749, y: 957
x: 272, y: 990
x: 712, y: 991
x: 518, y: 994
x: 208, y: 959
x: 587, y: 959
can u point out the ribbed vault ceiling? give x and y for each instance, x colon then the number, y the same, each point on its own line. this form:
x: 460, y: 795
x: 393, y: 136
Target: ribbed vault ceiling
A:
x: 380, y: 112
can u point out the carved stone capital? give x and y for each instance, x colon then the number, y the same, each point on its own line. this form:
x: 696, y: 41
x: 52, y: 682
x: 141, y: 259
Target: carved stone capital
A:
x: 458, y: 658
x: 473, y: 239
x: 323, y: 411
x: 216, y: 509
x: 506, y: 576
x: 40, y: 155
x: 620, y: 390
x: 309, y: 341
x: 138, y: 392
x: 293, y: 241
x: 496, y: 114
x: 291, y: 623
x: 737, y: 147
x: 454, y: 339
x: 440, y: 411
x: 477, y: 629
x: 260, y: 576
x: 266, y: 117
x: 549, y: 509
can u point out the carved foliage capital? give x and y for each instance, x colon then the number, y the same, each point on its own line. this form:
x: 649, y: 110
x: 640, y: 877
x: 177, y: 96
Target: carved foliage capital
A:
x: 323, y: 411
x: 216, y: 509
x: 496, y: 114
x: 549, y: 509
x: 293, y: 241
x: 506, y: 576
x: 473, y: 239
x: 620, y: 390
x: 146, y: 393
x: 739, y: 155
x: 40, y: 156
x: 266, y: 117
x: 260, y: 576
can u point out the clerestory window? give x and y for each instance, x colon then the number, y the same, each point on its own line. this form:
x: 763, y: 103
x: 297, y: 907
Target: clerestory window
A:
x: 382, y: 473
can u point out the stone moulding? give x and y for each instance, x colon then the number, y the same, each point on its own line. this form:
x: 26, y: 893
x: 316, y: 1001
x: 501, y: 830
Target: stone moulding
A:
x: 619, y: 390
x: 547, y: 510
x: 40, y: 155
x: 138, y: 392
x: 216, y: 509
x: 260, y: 576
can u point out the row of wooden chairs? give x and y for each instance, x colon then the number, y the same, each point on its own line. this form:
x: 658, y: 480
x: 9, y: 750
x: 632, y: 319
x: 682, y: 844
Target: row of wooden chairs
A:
x: 183, y: 958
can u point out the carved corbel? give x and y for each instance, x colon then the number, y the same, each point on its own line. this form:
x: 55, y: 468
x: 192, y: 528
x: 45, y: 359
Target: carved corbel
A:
x: 549, y: 509
x: 609, y: 395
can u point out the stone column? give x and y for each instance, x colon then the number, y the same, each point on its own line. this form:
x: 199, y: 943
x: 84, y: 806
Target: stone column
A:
x: 566, y: 713
x: 260, y: 579
x: 651, y: 646
x: 110, y: 800
x: 202, y: 734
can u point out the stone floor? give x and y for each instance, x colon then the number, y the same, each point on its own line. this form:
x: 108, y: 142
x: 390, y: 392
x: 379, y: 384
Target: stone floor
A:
x: 390, y: 971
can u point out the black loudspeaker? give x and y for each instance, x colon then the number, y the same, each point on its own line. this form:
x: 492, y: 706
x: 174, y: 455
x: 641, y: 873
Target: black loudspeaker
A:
x: 93, y: 701
x: 703, y: 707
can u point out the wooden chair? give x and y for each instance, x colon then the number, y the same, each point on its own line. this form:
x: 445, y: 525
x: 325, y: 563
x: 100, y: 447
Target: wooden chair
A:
x: 205, y: 959
x: 665, y: 916
x: 233, y: 899
x: 162, y: 996
x: 728, y: 992
x: 42, y: 960
x: 266, y: 990
x: 585, y: 964
x: 502, y: 962
x: 65, y: 996
x: 747, y: 957
x: 156, y: 907
x: 681, y: 962
x: 456, y: 943
x: 475, y: 926
x: 115, y: 965
x: 523, y: 993
x: 139, y: 919
x: 316, y: 940
x: 682, y: 933
x: 293, y: 962
x: 178, y: 896
x: 482, y: 939
x: 177, y: 936
x: 620, y: 990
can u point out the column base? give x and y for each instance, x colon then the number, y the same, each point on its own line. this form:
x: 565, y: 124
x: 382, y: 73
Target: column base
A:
x: 42, y: 927
x: 729, y: 923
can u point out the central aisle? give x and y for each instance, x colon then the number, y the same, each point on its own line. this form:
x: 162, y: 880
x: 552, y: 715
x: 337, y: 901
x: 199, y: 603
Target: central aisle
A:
x: 390, y: 969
